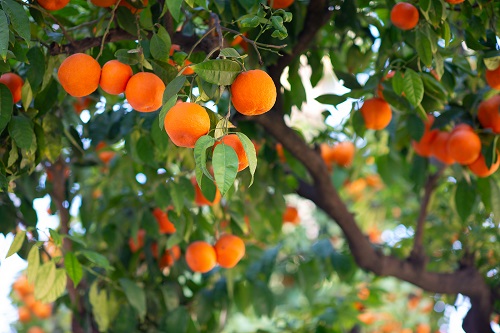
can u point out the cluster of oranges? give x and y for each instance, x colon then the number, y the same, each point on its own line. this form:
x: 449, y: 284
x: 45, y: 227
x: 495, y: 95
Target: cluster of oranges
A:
x: 202, y: 257
x: 167, y: 259
x: 80, y: 75
x: 341, y: 153
x: 462, y: 145
x: 31, y: 306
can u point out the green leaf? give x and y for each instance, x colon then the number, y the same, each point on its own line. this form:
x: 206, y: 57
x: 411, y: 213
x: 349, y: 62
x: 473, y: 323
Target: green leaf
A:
x: 33, y: 264
x: 17, y: 243
x: 18, y: 18
x: 45, y: 279
x: 174, y: 6
x: 200, y: 156
x: 21, y: 130
x: 58, y: 287
x: 465, y: 199
x: 13, y: 155
x: 4, y: 35
x: 225, y: 163
x: 26, y: 94
x: 424, y: 49
x: 415, y: 127
x: 164, y: 109
x: 135, y: 295
x: 331, y: 99
x: 230, y: 53
x: 73, y: 268
x: 160, y: 46
x: 220, y: 71
x: 484, y: 189
x: 398, y: 83
x: 250, y: 152
x: 349, y: 79
x: 56, y: 237
x: 174, y: 87
x: 99, y: 301
x: 413, y: 87
x: 97, y: 259
x: 6, y: 104
x: 36, y: 69
x: 127, y: 57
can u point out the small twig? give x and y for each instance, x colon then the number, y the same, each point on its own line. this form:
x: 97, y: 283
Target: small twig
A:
x: 430, y: 185
x: 218, y: 29
x: 199, y: 41
x: 85, y: 24
x: 106, y: 32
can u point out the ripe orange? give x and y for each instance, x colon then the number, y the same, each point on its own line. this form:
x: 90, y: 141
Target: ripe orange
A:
x: 233, y: 141
x: 42, y: 310
x: 201, y: 257
x: 423, y: 147
x: 166, y: 227
x: 479, y: 168
x: 29, y: 301
x: 363, y: 293
x: 367, y: 318
x: 374, y: 181
x: 170, y: 256
x: 105, y: 155
x: 291, y: 215
x: 185, y: 123
x: 464, y: 145
x: 423, y: 328
x: 489, y: 113
x: 53, y: 4
x: 22, y: 286
x: 200, y: 199
x: 404, y: 16
x: 280, y: 152
x: 36, y: 329
x: 454, y: 2
x: 493, y: 78
x: 280, y: 4
x: 79, y: 74
x: 81, y: 104
x: 229, y: 250
x: 238, y: 40
x: 24, y: 314
x: 114, y: 77
x: 144, y: 92
x: 439, y: 148
x: 377, y: 113
x: 104, y: 3
x: 134, y: 10
x: 356, y: 188
x: 174, y: 48
x: 326, y: 152
x: 14, y: 82
x: 253, y: 92
x: 343, y: 153
x: 137, y: 243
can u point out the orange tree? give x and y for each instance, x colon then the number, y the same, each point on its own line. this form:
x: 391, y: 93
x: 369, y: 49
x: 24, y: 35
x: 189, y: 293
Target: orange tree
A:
x: 159, y: 178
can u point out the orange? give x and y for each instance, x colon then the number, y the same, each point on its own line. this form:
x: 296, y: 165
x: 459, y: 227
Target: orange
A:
x: 185, y: 123
x: 24, y: 314
x: 280, y: 152
x: 439, y: 148
x: 14, y: 82
x: 105, y: 155
x: 253, y: 92
x: 343, y: 153
x: 489, y: 113
x: 81, y: 104
x: 200, y: 199
x: 479, y: 168
x: 423, y: 328
x: 174, y: 48
x: 377, y: 113
x: 291, y: 215
x: 42, y: 310
x: 22, y: 286
x: 53, y: 4
x: 493, y: 78
x: 170, y: 256
x: 166, y: 227
x: 326, y: 152
x: 29, y: 300
x: 137, y: 243
x: 144, y: 92
x: 367, y: 318
x: 134, y: 10
x: 79, y: 74
x: 36, y: 329
x: 454, y: 2
x: 375, y: 235
x: 201, y: 257
x: 356, y: 188
x: 114, y: 77
x: 229, y: 250
x: 423, y: 147
x: 280, y: 4
x: 239, y: 40
x: 104, y: 3
x: 364, y: 293
x: 234, y: 142
x: 404, y: 16
x: 464, y: 145
x: 374, y: 181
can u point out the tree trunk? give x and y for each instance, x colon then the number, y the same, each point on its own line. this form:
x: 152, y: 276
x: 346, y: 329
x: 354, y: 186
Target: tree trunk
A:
x: 477, y: 319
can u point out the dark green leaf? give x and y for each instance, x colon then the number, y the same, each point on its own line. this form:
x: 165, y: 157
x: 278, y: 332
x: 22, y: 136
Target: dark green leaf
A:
x: 135, y: 296
x: 6, y: 104
x: 220, y: 71
x: 159, y: 47
x: 229, y: 53
x: 415, y: 127
x: 73, y: 268
x: 18, y: 18
x: 465, y: 199
x: 225, y: 163
x: 424, y: 50
x: 331, y: 99
x: 350, y: 80
x: 97, y: 259
x: 174, y: 87
x: 200, y: 156
x: 21, y: 130
x: 174, y: 6
x: 4, y: 35
x: 250, y: 152
x: 413, y: 87
x: 164, y: 109
x: 127, y: 57
x: 36, y: 69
